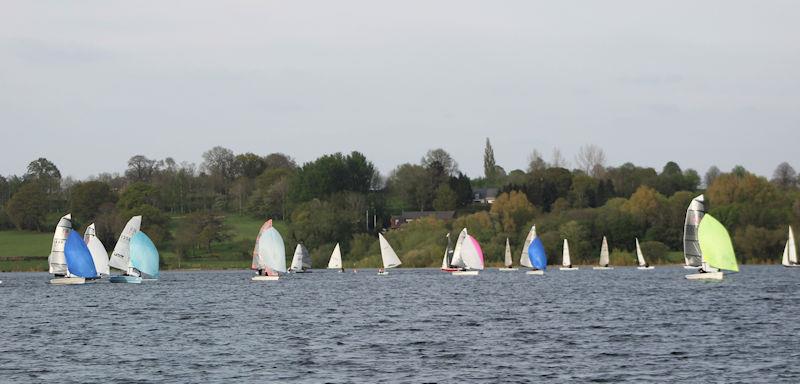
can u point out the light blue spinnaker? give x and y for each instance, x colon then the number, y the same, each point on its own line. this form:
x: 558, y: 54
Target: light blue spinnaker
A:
x: 537, y: 255
x: 144, y: 255
x: 79, y: 259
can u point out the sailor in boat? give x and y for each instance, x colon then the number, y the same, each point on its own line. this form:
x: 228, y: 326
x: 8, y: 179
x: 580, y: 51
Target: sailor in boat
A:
x: 381, y: 270
x: 569, y: 266
x: 341, y: 270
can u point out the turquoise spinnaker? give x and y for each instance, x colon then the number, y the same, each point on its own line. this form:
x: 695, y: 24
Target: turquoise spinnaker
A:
x: 144, y: 255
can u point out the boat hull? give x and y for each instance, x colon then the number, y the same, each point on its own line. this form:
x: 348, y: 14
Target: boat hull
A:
x: 507, y: 269
x: 125, y: 279
x: 690, y: 267
x: 537, y: 272
x: 449, y: 269
x: 384, y: 273
x: 645, y: 268
x: 465, y: 273
x: 265, y: 278
x: 705, y: 276
x: 791, y: 265
x: 602, y: 268
x: 67, y: 280
x: 569, y: 268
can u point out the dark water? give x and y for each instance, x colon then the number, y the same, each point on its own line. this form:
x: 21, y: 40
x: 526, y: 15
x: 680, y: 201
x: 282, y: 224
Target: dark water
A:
x: 415, y: 326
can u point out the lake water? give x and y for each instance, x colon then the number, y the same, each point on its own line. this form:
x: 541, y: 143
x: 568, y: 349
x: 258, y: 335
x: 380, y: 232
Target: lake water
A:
x: 413, y: 326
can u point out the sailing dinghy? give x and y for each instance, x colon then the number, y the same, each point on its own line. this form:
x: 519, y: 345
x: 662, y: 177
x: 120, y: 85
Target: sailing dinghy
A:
x: 121, y: 256
x: 508, y: 262
x: 388, y: 256
x: 640, y: 258
x: 716, y: 250
x: 301, y: 261
x: 448, y: 257
x: 467, y: 255
x: 80, y: 265
x: 691, y: 246
x: 536, y: 257
x: 57, y: 261
x: 566, y: 262
x: 98, y: 251
x: 269, y: 254
x: 336, y: 259
x: 790, y: 251
x: 604, y: 256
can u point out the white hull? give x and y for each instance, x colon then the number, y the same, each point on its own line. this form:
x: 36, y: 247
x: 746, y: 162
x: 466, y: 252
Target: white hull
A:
x: 465, y: 273
x: 384, y: 273
x: 646, y: 268
x: 507, y: 269
x: 569, y: 268
x: 705, y: 276
x: 602, y: 268
x: 67, y: 280
x: 791, y: 265
x: 265, y: 278
x: 690, y: 267
x: 536, y: 272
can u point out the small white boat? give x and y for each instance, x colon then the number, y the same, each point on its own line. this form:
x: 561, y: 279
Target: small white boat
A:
x: 566, y: 262
x: 335, y: 261
x: 705, y: 276
x: 465, y: 273
x: 537, y: 272
x: 388, y: 256
x: 265, y: 278
x: 790, y: 252
x: 70, y: 259
x: 467, y: 255
x: 269, y: 254
x: 301, y: 261
x: 716, y: 250
x: 643, y: 266
x: 98, y: 251
x: 121, y: 255
x: 604, y: 259
x: 533, y: 255
x: 646, y: 268
x: 67, y: 280
x: 508, y: 262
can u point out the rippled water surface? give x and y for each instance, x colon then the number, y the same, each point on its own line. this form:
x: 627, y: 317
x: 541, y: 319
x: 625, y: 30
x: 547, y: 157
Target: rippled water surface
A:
x: 418, y: 325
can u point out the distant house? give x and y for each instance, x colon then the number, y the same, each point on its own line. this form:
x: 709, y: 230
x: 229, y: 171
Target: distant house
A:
x: 485, y: 195
x: 407, y: 217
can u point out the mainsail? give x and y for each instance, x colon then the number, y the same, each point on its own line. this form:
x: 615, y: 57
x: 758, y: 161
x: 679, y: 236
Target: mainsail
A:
x: 524, y: 259
x: 508, y: 262
x: 57, y: 260
x: 98, y: 251
x: 458, y: 260
x: 269, y: 252
x: 565, y: 260
x: 336, y: 258
x: 639, y: 255
x: 390, y: 259
x: 448, y: 253
x: 604, y: 253
x: 692, y: 254
x: 121, y: 256
x: 716, y: 245
x: 790, y: 250
x: 301, y: 259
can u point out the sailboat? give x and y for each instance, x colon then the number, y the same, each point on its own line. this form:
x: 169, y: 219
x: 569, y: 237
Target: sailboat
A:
x: 78, y: 259
x: 533, y: 255
x: 98, y: 251
x: 566, y: 262
x: 121, y: 256
x: 144, y: 256
x: 336, y: 259
x: 716, y: 250
x: 448, y: 257
x: 691, y: 246
x: 301, y: 261
x: 467, y: 255
x: 269, y: 254
x: 388, y: 256
x: 604, y: 256
x: 640, y: 258
x: 790, y: 251
x: 508, y: 262
x: 56, y: 261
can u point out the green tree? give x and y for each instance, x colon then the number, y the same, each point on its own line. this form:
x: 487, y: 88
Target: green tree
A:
x: 512, y: 211
x: 249, y: 165
x: 489, y: 164
x: 412, y: 185
x: 25, y: 209
x: 446, y: 199
x: 87, y: 197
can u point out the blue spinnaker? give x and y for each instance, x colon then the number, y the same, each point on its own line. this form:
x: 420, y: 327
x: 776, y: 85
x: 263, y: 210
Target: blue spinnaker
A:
x: 79, y: 259
x: 144, y: 255
x: 537, y: 255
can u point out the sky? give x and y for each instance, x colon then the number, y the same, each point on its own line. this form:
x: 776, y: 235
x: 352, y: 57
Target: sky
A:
x: 88, y: 84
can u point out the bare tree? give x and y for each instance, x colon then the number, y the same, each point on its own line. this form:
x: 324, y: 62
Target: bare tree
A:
x: 536, y: 162
x: 711, y: 175
x: 591, y: 159
x: 219, y: 161
x: 784, y: 176
x: 558, y: 160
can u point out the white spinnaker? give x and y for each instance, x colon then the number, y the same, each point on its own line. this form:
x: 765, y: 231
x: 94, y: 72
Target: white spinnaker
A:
x: 271, y: 250
x: 57, y: 260
x: 458, y: 261
x: 639, y: 254
x: 691, y: 243
x: 336, y: 258
x: 565, y: 260
x: 604, y: 253
x: 297, y: 259
x: 121, y: 256
x: 508, y: 261
x: 390, y: 259
x: 98, y: 251
x: 524, y: 259
x: 471, y: 254
x: 792, y: 247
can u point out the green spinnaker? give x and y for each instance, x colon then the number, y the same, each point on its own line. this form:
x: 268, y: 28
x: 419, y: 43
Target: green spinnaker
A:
x: 716, y: 245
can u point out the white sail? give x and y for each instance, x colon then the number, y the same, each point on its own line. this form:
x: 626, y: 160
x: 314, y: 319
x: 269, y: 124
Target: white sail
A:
x: 524, y: 259
x: 565, y: 260
x: 792, y: 247
x: 297, y: 259
x: 390, y: 259
x: 639, y: 254
x: 98, y: 251
x: 785, y: 259
x: 271, y: 250
x: 57, y: 260
x: 471, y: 253
x: 306, y: 257
x: 121, y: 256
x: 604, y: 253
x: 508, y: 261
x: 336, y: 258
x: 691, y: 243
x: 448, y: 253
x: 458, y: 261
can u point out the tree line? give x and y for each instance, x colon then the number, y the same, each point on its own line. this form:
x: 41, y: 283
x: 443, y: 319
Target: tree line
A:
x: 343, y: 198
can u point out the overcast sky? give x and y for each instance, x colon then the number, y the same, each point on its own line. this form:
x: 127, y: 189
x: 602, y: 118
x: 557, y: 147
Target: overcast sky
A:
x: 88, y: 84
